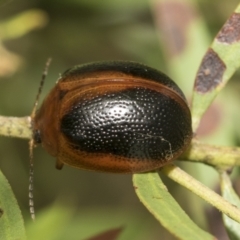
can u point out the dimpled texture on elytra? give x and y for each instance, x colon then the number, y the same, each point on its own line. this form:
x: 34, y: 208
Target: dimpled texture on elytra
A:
x: 135, y: 123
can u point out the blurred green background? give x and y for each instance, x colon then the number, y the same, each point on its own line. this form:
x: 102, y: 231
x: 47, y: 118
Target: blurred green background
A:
x: 72, y: 32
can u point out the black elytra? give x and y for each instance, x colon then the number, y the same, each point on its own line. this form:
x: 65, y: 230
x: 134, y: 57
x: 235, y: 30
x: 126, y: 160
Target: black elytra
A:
x: 136, y: 122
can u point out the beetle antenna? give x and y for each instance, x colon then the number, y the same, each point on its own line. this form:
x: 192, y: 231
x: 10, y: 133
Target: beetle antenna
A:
x: 30, y: 189
x: 44, y: 75
x: 31, y: 142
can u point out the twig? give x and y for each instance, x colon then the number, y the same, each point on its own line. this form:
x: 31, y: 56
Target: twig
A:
x: 181, y: 177
x: 15, y: 127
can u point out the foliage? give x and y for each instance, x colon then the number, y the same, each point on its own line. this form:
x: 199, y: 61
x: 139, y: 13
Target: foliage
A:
x: 182, y: 55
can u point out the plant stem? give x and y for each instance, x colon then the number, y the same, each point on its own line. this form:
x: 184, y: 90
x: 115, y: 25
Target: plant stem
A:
x: 15, y: 127
x: 181, y: 177
x: 218, y: 156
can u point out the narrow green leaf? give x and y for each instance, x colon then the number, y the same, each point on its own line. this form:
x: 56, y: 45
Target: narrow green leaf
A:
x: 50, y: 223
x: 23, y: 23
x: 217, y: 67
x: 156, y: 198
x: 181, y: 28
x: 232, y: 227
x: 11, y: 222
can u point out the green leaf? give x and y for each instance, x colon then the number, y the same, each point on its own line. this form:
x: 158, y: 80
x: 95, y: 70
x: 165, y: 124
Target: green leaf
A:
x: 156, y: 198
x: 232, y: 227
x: 63, y: 221
x: 218, y: 65
x: 23, y: 23
x: 181, y: 28
x: 50, y: 223
x: 11, y: 222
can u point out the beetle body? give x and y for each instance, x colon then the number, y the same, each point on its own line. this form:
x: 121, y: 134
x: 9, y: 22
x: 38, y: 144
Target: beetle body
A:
x: 121, y: 117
